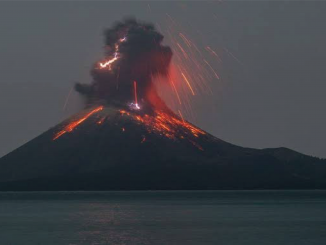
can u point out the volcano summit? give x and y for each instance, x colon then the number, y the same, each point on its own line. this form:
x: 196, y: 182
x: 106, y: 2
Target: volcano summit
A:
x: 127, y: 138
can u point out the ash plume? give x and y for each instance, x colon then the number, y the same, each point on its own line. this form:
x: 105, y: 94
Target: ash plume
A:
x: 134, y: 54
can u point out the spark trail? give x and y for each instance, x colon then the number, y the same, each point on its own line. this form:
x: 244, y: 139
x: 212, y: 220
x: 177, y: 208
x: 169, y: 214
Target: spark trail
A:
x: 135, y: 91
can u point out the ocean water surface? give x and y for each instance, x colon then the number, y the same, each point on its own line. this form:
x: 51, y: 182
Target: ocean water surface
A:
x: 164, y: 217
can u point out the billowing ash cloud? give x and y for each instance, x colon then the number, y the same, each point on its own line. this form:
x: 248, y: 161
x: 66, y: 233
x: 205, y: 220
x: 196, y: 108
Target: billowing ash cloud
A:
x: 134, y: 53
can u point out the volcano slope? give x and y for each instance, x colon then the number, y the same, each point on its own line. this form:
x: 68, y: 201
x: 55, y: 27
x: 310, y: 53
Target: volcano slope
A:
x: 114, y: 148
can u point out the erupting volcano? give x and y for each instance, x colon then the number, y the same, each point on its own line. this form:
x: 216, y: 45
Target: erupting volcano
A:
x: 128, y: 138
x: 124, y: 79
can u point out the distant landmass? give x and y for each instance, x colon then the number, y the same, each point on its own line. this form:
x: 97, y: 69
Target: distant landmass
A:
x: 115, y: 148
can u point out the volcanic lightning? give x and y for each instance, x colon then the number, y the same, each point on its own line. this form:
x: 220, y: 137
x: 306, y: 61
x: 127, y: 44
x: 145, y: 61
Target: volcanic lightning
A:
x: 115, y: 57
x: 109, y: 62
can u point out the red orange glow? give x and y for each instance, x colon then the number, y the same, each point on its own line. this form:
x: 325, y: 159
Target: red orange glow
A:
x: 143, y: 139
x: 101, y: 121
x: 135, y: 91
x: 185, y: 78
x: 194, y: 67
x: 166, y: 125
x: 71, y: 126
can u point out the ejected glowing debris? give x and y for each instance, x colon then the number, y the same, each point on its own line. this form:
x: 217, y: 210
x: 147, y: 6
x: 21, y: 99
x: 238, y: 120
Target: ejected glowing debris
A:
x: 101, y: 120
x: 185, y: 78
x: 135, y: 92
x: 143, y: 139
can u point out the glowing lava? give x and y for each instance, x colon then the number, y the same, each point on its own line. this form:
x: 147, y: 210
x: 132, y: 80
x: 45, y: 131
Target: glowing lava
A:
x: 166, y: 125
x: 71, y: 126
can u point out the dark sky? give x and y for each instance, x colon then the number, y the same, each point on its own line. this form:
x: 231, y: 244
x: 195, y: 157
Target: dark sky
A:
x: 272, y: 94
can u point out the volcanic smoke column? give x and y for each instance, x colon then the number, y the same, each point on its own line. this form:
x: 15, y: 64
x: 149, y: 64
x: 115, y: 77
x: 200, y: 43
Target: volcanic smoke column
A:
x: 134, y: 54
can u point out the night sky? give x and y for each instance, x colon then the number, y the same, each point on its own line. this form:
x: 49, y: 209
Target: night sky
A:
x: 273, y: 81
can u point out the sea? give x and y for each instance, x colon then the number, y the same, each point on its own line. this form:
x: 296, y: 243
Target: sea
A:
x: 164, y: 217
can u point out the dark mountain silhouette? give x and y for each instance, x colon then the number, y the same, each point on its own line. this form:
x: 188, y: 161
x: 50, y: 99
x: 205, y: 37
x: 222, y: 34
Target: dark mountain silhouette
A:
x: 122, y: 149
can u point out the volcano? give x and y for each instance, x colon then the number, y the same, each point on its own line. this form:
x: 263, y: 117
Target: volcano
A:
x: 127, y: 138
x: 118, y: 148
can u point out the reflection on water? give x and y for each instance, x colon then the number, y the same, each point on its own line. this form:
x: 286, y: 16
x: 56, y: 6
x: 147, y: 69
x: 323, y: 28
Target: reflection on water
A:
x: 201, y: 217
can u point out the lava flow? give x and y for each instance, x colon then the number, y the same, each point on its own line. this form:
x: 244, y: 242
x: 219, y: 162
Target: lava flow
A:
x: 166, y: 124
x: 71, y: 126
